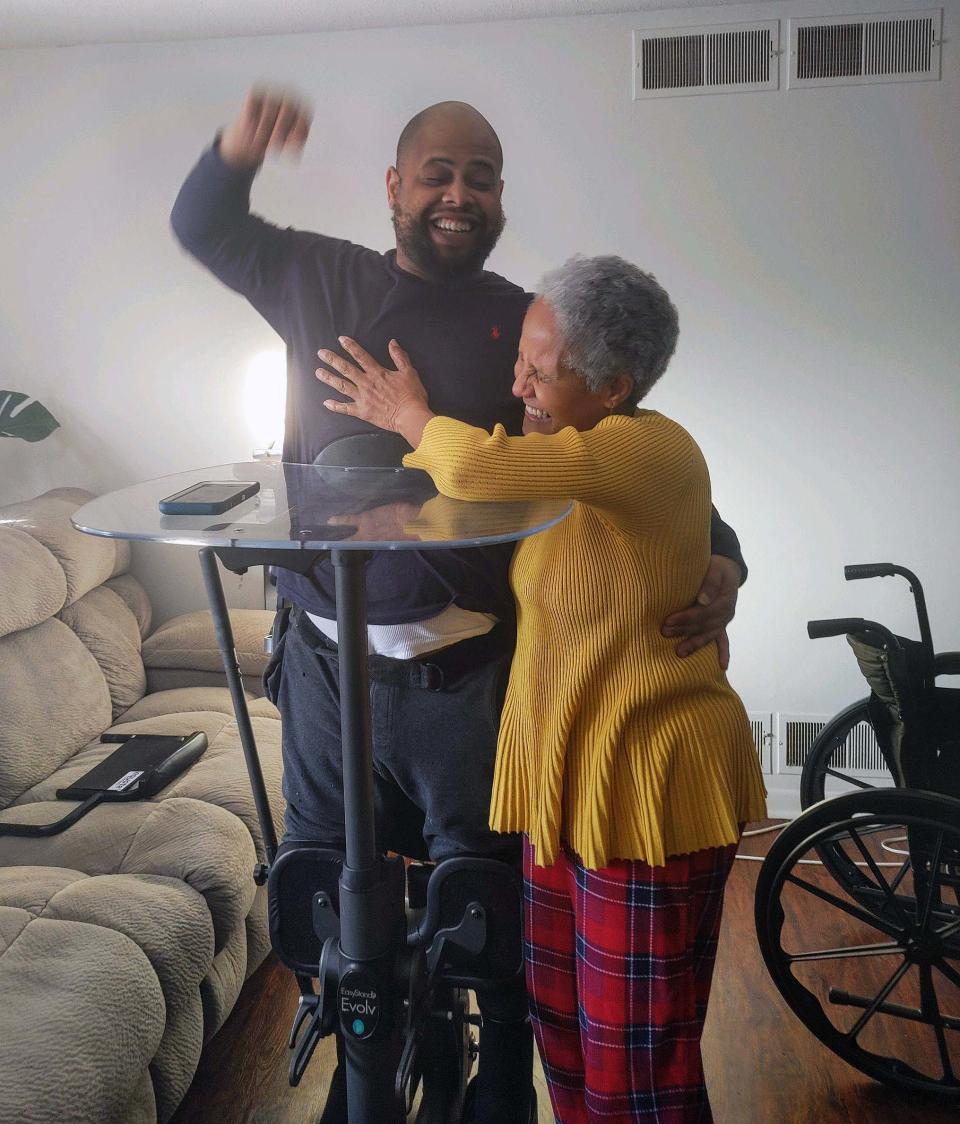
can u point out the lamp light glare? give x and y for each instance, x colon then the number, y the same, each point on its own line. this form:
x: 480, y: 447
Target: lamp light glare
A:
x: 264, y: 400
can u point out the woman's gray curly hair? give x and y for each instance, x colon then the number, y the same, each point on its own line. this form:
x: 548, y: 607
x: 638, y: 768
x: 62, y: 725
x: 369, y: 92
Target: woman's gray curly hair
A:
x: 614, y: 318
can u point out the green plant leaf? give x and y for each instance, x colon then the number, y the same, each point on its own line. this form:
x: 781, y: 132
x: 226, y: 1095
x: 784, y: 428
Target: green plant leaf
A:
x: 24, y: 417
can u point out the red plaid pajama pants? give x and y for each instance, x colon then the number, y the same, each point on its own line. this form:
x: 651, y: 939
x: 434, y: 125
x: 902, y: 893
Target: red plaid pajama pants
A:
x: 619, y: 962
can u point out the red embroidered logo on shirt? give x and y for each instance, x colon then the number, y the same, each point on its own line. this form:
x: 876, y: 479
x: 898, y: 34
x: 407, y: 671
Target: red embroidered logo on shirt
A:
x: 495, y: 332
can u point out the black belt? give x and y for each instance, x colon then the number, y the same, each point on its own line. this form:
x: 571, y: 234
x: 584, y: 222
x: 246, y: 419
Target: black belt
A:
x: 433, y: 672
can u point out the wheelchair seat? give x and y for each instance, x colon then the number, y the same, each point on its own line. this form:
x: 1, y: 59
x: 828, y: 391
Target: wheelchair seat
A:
x: 917, y: 724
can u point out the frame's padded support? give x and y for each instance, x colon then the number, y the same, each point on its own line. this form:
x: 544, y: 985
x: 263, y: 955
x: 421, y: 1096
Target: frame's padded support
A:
x: 298, y: 872
x: 497, y: 887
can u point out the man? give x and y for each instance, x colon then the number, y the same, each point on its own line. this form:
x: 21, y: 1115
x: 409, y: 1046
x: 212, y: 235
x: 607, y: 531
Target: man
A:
x: 452, y: 610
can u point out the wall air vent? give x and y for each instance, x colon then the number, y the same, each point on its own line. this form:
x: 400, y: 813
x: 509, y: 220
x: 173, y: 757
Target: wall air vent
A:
x: 858, y: 755
x: 857, y: 50
x: 761, y: 726
x: 723, y: 59
x: 796, y: 734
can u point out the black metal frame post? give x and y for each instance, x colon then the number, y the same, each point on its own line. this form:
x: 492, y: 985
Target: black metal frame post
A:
x: 231, y: 666
x: 372, y: 920
x: 349, y: 572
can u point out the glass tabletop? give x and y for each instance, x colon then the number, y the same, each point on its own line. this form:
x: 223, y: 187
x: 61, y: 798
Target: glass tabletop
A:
x: 317, y: 507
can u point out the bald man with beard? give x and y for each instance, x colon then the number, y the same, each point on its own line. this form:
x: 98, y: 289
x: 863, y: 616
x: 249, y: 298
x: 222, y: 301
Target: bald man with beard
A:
x: 460, y: 324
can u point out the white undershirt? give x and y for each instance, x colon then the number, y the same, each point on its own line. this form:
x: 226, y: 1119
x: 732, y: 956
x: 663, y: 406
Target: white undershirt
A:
x: 417, y: 638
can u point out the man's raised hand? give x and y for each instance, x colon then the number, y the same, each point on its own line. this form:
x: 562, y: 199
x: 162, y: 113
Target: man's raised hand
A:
x: 269, y: 120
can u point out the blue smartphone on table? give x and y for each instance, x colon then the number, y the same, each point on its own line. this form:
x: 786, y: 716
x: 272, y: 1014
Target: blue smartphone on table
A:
x: 209, y: 497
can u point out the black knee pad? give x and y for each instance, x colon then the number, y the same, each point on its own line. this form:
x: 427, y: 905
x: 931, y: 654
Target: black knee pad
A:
x: 299, y: 872
x: 455, y: 884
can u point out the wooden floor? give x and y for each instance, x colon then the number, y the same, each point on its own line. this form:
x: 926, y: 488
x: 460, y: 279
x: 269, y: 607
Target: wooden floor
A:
x: 763, y: 1065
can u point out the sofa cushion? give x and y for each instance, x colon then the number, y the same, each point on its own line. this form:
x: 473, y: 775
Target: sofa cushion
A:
x: 110, y: 631
x: 219, y: 777
x: 34, y: 585
x: 166, y: 679
x: 166, y: 919
x: 188, y: 642
x: 78, y: 497
x: 55, y: 699
x: 186, y: 700
x: 134, y: 596
x: 199, y: 844
x: 170, y: 922
x: 87, y: 560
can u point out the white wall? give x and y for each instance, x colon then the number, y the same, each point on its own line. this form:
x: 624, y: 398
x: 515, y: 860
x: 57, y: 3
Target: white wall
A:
x: 809, y: 239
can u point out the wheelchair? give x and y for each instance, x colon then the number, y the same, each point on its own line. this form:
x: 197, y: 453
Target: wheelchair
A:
x: 872, y: 870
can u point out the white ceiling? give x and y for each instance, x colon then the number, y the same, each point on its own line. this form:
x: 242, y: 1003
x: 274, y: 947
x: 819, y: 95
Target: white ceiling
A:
x: 60, y: 23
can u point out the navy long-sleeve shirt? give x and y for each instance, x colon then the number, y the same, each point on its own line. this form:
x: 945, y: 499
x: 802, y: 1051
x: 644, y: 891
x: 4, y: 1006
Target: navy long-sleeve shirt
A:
x: 461, y: 336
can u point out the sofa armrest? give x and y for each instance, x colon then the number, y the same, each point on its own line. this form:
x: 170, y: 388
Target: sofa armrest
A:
x: 201, y: 844
x: 183, y: 651
x: 82, y: 1017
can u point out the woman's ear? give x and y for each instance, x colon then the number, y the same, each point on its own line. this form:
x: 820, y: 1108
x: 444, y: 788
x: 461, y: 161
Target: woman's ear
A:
x: 618, y: 391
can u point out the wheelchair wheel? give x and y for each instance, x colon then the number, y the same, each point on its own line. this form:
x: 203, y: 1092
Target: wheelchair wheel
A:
x: 830, y: 770
x: 878, y: 986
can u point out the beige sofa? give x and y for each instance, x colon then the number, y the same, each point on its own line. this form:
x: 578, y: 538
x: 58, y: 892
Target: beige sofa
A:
x: 124, y: 940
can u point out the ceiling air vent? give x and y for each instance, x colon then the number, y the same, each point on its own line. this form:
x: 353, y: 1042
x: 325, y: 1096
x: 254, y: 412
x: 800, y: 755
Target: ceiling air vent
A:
x: 724, y: 59
x: 857, y: 50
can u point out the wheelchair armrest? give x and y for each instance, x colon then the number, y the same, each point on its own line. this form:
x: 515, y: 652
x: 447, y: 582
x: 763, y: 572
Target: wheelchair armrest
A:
x: 946, y: 663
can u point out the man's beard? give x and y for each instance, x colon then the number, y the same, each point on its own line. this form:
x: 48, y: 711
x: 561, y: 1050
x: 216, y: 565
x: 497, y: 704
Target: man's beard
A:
x: 415, y: 240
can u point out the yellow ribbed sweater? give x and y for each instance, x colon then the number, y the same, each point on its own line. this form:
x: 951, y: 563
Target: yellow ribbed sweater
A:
x: 608, y: 741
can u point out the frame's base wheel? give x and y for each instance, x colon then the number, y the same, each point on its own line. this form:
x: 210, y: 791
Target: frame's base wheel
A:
x: 468, y: 1104
x: 878, y: 983
x: 446, y: 1057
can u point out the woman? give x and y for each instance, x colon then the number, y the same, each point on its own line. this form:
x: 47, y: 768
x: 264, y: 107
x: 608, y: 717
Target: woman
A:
x: 629, y: 771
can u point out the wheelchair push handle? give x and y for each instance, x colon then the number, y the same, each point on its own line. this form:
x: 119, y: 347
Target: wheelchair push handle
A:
x: 839, y: 626
x: 870, y: 570
x: 888, y: 570
x: 859, y: 626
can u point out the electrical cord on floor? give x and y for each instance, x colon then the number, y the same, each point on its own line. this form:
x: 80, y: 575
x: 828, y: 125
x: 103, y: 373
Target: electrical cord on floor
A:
x: 778, y: 827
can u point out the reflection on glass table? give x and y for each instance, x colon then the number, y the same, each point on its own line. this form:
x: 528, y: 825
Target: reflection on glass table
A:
x: 317, y: 507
